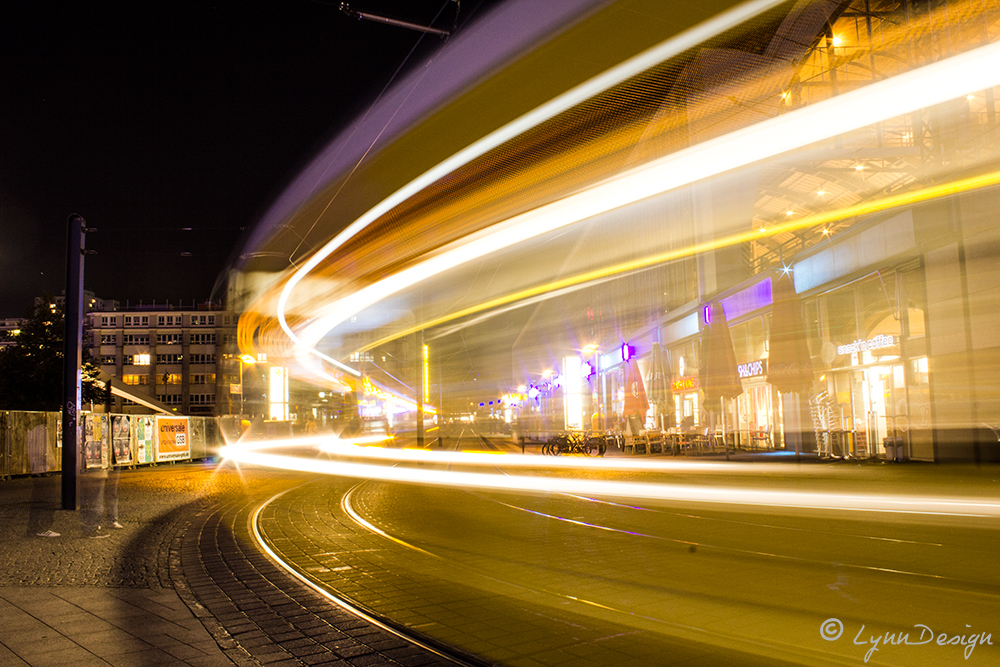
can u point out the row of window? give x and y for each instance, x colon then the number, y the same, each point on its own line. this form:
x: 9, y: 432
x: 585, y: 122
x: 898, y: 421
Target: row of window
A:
x: 195, y: 399
x: 165, y: 320
x: 168, y: 378
x: 161, y: 359
x: 166, y: 339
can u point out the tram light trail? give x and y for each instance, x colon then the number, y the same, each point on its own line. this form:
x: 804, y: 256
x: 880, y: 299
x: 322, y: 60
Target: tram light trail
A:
x: 257, y: 454
x: 933, y: 84
x: 609, y: 272
x: 668, y: 49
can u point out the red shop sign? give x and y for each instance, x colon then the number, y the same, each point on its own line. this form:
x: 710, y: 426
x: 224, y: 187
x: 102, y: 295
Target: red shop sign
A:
x: 686, y: 383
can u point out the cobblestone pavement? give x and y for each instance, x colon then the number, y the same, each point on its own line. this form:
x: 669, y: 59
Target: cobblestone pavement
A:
x: 181, y: 583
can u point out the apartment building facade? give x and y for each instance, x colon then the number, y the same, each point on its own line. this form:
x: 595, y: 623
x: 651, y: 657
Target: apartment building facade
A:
x: 183, y: 358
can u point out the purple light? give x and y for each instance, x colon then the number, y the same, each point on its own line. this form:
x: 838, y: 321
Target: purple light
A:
x: 745, y: 301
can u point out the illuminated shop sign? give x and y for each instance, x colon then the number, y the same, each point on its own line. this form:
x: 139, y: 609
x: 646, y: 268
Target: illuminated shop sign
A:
x: 752, y: 369
x: 877, y: 343
x: 689, y: 383
x: 617, y: 356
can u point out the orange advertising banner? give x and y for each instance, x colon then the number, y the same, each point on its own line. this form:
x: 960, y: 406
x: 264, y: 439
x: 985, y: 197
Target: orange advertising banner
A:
x: 172, y: 440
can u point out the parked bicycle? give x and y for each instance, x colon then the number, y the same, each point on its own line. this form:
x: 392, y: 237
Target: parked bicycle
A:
x: 575, y: 443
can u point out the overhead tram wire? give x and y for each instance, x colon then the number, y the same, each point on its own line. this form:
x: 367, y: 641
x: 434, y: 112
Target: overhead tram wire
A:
x: 360, y: 160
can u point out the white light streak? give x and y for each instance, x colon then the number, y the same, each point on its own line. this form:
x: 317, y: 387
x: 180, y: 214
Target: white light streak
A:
x: 667, y: 49
x: 817, y: 500
x: 933, y: 84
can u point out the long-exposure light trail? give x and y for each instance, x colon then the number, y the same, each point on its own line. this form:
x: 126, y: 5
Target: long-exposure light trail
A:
x: 815, y: 500
x: 604, y: 273
x: 668, y: 49
x: 920, y: 88
x: 370, y: 447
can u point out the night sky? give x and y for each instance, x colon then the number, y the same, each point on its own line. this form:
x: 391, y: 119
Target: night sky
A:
x: 170, y: 127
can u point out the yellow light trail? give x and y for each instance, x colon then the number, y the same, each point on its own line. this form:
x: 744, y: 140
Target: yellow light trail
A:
x: 812, y: 220
x: 926, y: 86
x: 673, y: 492
x: 372, y: 447
x: 726, y: 495
x: 670, y: 48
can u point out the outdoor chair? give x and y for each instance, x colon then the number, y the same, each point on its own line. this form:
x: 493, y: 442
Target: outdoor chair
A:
x: 761, y: 435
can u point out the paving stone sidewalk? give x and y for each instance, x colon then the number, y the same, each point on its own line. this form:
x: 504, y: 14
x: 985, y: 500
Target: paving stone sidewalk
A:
x: 180, y: 584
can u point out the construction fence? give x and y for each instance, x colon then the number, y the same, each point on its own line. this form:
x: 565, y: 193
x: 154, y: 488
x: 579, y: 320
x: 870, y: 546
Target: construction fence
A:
x: 31, y: 442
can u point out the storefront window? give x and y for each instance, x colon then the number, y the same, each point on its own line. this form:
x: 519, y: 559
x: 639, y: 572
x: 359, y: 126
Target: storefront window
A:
x: 810, y: 318
x: 739, y: 336
x: 687, y: 395
x: 755, y: 338
x: 877, y: 299
x: 842, y: 324
x: 866, y: 383
x: 916, y: 426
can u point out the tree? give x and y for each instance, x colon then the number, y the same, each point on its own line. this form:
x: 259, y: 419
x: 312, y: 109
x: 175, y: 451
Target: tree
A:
x: 31, y: 370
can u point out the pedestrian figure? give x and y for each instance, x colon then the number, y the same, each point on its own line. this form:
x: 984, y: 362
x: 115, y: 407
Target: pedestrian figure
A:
x: 92, y: 483
x: 94, y: 476
x: 42, y: 512
x: 111, y: 498
x: 121, y: 451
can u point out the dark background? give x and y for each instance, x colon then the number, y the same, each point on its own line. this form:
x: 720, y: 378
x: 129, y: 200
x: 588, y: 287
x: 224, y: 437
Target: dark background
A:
x: 170, y: 127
